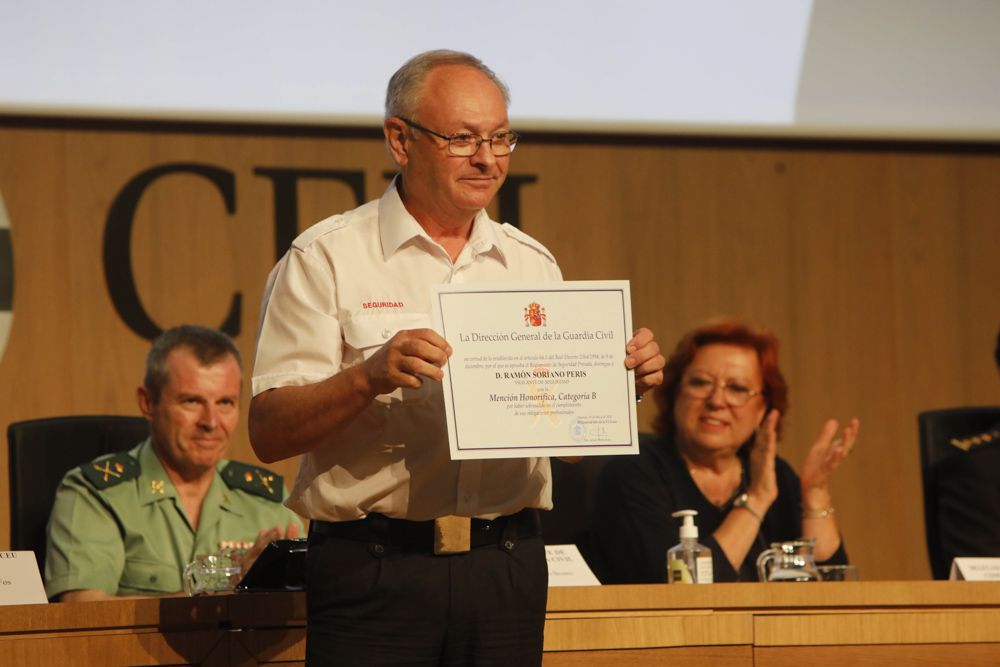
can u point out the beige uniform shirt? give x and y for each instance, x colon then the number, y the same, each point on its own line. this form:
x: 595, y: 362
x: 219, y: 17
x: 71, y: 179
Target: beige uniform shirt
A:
x: 345, y: 287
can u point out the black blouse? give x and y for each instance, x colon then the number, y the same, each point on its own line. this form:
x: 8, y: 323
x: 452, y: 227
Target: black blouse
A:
x: 631, y: 527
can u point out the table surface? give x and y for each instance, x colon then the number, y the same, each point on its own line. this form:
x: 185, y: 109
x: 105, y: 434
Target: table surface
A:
x: 738, y: 624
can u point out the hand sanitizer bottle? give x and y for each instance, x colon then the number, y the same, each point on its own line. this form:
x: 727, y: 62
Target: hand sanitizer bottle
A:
x: 689, y: 562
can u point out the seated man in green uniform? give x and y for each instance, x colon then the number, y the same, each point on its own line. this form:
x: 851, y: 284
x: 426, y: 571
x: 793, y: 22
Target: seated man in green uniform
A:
x: 128, y: 523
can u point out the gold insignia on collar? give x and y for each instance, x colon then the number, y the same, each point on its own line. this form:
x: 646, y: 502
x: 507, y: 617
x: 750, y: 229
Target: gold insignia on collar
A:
x: 157, y: 486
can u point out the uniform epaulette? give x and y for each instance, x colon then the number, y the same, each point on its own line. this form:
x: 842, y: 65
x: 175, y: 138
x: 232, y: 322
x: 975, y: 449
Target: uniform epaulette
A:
x: 516, y: 234
x: 965, y: 444
x: 258, y: 481
x: 109, y: 471
x: 334, y: 223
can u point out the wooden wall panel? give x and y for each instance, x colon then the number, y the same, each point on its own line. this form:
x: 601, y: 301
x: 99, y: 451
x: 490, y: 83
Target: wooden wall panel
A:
x: 875, y: 265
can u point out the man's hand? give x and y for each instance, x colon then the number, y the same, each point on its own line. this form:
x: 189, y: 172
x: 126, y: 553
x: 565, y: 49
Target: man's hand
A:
x: 644, y: 356
x: 265, y: 537
x: 291, y: 420
x: 405, y: 359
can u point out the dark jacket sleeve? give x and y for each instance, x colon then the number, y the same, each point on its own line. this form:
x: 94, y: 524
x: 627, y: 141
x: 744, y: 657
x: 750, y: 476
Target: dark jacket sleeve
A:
x: 722, y: 570
x: 631, y: 525
x: 969, y: 503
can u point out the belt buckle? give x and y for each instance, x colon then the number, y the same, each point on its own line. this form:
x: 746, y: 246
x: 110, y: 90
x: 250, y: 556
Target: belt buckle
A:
x: 452, y: 535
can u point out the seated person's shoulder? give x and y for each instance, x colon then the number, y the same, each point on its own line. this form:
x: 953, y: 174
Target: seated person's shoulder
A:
x: 107, y: 471
x: 253, y: 481
x: 83, y: 551
x: 258, y: 493
x: 978, y: 441
x: 977, y: 453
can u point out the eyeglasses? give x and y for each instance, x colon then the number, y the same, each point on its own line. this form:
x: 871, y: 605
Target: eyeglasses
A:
x: 466, y: 144
x: 703, y: 386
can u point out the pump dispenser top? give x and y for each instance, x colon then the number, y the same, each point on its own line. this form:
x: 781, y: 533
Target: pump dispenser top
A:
x: 688, y: 529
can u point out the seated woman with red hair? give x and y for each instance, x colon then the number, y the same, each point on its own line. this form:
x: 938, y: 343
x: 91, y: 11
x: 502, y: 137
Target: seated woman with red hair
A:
x: 721, y: 404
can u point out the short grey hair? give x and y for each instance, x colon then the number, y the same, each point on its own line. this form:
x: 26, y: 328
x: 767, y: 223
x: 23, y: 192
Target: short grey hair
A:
x: 403, y: 93
x: 209, y: 346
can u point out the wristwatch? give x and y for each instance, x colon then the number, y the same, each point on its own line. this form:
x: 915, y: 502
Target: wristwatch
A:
x: 742, y: 501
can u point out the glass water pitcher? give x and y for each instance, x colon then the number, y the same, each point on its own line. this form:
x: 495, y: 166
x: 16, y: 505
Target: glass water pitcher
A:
x: 788, y: 561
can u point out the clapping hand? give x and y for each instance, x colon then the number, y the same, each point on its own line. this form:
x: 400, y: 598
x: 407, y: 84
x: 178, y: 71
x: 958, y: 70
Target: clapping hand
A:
x: 827, y: 453
x: 763, y: 452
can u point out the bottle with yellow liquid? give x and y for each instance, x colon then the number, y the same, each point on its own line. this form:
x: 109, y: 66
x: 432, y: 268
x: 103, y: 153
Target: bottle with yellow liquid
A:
x: 689, y: 562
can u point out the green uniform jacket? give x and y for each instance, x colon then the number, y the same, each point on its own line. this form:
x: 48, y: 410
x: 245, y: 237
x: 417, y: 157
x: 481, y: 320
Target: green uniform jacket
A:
x: 118, y: 525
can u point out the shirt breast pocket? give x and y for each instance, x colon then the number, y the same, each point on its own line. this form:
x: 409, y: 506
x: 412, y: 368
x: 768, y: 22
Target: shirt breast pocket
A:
x: 151, y: 576
x: 367, y: 333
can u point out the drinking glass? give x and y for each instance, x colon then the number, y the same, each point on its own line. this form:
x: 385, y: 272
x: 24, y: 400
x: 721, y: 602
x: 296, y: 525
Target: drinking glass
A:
x: 212, y: 573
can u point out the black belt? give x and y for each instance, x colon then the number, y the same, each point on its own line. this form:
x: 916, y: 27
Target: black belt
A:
x: 382, y: 532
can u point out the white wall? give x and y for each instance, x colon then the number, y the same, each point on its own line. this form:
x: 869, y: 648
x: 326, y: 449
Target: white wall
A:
x: 927, y: 68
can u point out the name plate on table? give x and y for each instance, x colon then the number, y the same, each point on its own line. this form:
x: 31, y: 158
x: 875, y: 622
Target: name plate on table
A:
x: 567, y: 566
x: 975, y: 569
x: 20, y: 581
x: 537, y: 369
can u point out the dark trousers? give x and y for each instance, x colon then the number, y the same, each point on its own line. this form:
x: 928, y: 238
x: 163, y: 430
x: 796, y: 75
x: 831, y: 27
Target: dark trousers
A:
x: 377, y: 600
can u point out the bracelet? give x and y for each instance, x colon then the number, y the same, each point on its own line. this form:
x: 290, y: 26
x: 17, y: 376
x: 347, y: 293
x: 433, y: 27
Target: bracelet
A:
x: 817, y: 514
x: 751, y: 510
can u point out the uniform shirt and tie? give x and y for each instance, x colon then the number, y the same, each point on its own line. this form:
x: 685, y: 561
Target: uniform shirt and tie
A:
x: 118, y: 524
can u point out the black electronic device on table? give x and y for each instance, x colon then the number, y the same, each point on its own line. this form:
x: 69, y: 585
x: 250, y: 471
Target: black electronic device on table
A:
x: 281, y: 566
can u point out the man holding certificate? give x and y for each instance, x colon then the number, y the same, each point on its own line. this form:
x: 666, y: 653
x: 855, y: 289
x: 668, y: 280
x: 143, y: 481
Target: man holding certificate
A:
x: 413, y: 557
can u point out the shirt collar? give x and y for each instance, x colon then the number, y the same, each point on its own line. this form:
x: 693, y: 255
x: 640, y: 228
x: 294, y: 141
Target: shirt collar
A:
x: 397, y: 227
x: 154, y: 485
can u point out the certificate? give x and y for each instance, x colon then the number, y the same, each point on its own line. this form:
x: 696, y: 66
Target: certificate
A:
x: 537, y: 369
